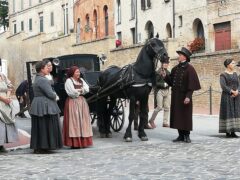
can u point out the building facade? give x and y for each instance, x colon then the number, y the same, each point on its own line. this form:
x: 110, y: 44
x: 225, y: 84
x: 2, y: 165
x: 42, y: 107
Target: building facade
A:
x: 93, y: 20
x: 202, y: 25
x: 177, y: 22
x: 54, y: 18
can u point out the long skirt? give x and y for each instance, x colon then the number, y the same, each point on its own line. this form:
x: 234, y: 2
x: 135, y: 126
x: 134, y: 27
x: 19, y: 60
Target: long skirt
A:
x: 76, y: 112
x: 229, y: 118
x: 8, y: 133
x: 46, y: 133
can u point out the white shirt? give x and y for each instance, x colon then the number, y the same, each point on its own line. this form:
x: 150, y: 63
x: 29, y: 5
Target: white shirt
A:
x: 71, y: 91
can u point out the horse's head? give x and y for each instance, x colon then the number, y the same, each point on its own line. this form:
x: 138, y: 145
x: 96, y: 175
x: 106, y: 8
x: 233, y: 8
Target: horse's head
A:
x: 156, y: 49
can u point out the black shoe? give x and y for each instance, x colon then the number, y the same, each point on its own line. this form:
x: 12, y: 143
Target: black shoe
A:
x: 234, y: 135
x: 109, y: 135
x: 3, y: 150
x: 179, y: 139
x: 22, y: 116
x: 187, y: 139
x: 102, y: 135
x: 228, y: 135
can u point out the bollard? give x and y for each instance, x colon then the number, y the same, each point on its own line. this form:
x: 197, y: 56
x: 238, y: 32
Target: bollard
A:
x: 210, y: 100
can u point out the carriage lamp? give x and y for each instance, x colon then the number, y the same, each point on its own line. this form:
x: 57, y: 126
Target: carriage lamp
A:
x: 56, y: 61
x: 102, y: 57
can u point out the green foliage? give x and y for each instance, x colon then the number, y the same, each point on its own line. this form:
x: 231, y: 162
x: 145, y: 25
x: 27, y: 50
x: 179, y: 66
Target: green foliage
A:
x: 4, y: 14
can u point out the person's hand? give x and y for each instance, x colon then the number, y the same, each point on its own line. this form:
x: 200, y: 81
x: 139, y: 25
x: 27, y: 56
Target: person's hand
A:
x: 234, y: 93
x: 7, y: 100
x: 80, y: 91
x: 186, y: 100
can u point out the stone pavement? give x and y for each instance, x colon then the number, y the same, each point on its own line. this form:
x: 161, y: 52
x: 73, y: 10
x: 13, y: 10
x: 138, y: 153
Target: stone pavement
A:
x: 209, y: 156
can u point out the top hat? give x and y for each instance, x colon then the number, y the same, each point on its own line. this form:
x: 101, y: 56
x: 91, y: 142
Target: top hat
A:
x: 184, y: 51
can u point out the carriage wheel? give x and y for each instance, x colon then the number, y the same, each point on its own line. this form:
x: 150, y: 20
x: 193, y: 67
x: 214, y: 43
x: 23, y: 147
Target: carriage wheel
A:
x: 117, y: 117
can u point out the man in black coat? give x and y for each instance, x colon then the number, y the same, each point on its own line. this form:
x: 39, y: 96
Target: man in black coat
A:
x: 184, y: 80
x: 21, y: 94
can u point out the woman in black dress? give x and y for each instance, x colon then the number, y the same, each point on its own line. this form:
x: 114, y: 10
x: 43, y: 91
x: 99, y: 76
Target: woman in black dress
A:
x: 45, y: 133
x: 229, y: 119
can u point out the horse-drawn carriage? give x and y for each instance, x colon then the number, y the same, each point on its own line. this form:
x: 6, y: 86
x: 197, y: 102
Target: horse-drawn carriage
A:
x: 108, y: 87
x: 89, y: 65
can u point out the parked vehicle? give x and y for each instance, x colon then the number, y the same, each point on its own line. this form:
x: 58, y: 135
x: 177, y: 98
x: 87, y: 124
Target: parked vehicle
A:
x: 89, y: 65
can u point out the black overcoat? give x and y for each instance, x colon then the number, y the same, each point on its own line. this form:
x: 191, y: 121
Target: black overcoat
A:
x: 183, y: 80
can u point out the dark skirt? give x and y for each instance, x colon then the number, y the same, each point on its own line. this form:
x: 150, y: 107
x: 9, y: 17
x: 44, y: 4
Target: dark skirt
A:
x: 46, y: 133
x: 229, y: 118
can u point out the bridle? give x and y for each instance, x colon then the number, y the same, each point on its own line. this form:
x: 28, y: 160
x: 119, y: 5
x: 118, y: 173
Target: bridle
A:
x: 157, y: 56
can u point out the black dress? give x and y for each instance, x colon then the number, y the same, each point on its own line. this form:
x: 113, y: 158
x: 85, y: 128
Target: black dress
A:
x: 229, y: 118
x: 45, y: 132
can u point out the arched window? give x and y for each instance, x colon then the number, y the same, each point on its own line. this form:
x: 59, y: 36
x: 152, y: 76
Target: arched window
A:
x: 149, y: 29
x: 118, y: 11
x: 198, y: 29
x: 95, y: 21
x: 198, y: 44
x: 105, y: 9
x: 169, y: 30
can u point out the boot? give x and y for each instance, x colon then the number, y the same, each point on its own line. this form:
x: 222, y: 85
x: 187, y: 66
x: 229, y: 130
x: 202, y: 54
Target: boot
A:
x: 187, y: 139
x: 179, y: 139
x: 151, y: 121
x: 2, y: 149
x: 234, y: 135
x: 228, y: 135
x: 23, y: 115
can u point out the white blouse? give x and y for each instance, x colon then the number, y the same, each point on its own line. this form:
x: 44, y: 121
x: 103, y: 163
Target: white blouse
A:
x: 71, y: 91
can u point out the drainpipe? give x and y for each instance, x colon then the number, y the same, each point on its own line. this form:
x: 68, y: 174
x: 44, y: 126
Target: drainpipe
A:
x: 65, y: 17
x: 173, y: 18
x: 136, y: 24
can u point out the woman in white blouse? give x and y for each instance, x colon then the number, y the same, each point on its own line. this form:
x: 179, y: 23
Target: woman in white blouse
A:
x: 77, y: 129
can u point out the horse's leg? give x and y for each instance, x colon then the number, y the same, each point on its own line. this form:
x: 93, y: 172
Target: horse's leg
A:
x: 143, y: 117
x: 101, y: 113
x: 110, y: 109
x: 128, y: 133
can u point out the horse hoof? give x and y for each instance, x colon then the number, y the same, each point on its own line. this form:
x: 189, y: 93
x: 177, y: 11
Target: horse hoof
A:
x: 144, y: 138
x: 128, y: 139
x: 109, y: 135
x: 102, y: 135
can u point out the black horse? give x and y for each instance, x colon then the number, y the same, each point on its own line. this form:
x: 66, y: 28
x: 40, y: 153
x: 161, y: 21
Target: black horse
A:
x: 132, y: 82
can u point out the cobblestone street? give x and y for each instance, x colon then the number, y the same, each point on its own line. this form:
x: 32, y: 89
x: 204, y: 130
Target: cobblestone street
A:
x: 209, y: 156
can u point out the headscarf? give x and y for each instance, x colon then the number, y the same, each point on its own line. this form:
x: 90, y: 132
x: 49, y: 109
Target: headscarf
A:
x: 71, y: 71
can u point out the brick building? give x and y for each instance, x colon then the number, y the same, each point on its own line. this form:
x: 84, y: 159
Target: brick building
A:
x: 93, y: 20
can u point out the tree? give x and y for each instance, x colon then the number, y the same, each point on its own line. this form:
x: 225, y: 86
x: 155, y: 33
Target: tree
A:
x: 4, y: 14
